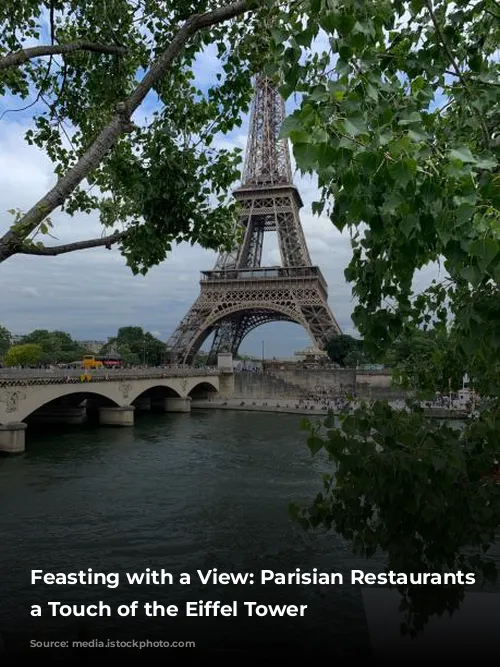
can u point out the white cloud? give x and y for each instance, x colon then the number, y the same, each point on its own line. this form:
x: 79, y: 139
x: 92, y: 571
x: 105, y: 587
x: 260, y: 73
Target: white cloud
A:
x: 92, y: 293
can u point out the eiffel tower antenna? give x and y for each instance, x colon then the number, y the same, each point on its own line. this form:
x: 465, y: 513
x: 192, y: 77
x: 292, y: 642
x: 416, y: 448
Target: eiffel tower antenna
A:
x: 240, y: 294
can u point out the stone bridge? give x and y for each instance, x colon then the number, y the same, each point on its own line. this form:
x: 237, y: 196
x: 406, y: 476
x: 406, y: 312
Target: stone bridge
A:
x: 111, y: 396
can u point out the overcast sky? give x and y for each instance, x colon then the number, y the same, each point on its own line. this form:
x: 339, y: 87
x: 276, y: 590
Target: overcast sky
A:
x: 92, y: 293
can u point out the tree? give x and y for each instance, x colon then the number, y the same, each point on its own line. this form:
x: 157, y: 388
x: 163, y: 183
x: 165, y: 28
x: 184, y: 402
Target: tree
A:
x: 339, y: 347
x: 137, y: 346
x: 400, y: 122
x: 57, y: 346
x: 431, y: 359
x: 24, y: 355
x: 128, y: 358
x: 5, y: 341
x: 156, y: 181
x: 355, y: 358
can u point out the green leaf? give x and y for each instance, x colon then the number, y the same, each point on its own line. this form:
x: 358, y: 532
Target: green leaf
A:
x: 317, y: 207
x: 485, y: 249
x: 355, y: 126
x: 372, y: 92
x: 304, y: 38
x: 438, y: 463
x: 384, y: 138
x: 315, y: 444
x: 319, y: 94
x: 417, y: 135
x: 409, y: 224
x: 486, y: 162
x: 290, y: 124
x: 306, y: 156
x: 464, y: 213
x: 410, y: 119
x: 279, y: 36
x: 403, y: 170
x: 472, y: 274
x: 463, y: 154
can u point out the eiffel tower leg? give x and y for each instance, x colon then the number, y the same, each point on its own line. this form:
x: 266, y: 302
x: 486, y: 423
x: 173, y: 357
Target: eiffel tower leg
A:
x: 235, y: 309
x: 180, y: 342
x: 222, y: 341
x: 321, y: 324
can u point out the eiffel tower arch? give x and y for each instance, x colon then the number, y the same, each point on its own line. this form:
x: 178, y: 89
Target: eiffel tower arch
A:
x: 240, y: 294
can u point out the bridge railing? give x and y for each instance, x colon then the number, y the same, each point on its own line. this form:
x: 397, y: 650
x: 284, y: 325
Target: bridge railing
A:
x: 61, y: 375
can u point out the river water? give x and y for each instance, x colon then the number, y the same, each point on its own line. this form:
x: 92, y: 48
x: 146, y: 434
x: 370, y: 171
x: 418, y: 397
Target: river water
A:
x: 179, y: 492
x: 182, y: 492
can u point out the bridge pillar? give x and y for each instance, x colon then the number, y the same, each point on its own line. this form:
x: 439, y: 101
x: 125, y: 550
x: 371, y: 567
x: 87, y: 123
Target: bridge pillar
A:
x: 178, y: 404
x: 226, y: 379
x: 114, y: 416
x: 12, y: 438
x: 225, y: 361
x: 226, y: 385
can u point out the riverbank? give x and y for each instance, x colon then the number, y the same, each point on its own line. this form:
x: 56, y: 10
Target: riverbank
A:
x: 306, y: 408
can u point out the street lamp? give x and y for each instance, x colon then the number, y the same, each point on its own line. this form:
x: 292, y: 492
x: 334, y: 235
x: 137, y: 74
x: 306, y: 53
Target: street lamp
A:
x: 144, y: 351
x: 263, y: 352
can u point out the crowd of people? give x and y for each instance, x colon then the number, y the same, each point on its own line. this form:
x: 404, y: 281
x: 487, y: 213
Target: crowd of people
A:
x: 340, y: 401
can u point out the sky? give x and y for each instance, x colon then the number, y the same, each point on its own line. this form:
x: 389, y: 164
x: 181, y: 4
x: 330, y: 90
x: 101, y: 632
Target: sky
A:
x: 92, y: 293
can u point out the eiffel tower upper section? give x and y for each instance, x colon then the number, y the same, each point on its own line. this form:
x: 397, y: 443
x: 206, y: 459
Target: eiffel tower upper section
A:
x: 267, y: 170
x: 240, y: 294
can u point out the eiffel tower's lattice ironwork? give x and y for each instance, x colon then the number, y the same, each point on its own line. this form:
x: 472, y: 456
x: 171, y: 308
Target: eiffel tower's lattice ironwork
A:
x: 240, y: 294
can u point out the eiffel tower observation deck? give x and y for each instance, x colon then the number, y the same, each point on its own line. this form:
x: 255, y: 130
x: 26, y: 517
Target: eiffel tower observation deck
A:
x: 240, y: 294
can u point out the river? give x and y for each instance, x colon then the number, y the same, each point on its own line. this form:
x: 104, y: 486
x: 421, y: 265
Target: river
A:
x: 181, y: 493
x: 178, y: 492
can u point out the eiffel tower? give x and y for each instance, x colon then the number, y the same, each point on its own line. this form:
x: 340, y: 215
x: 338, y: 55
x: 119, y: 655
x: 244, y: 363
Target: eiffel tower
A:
x: 239, y: 294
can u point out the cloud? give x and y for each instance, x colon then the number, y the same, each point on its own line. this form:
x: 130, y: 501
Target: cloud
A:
x: 92, y: 293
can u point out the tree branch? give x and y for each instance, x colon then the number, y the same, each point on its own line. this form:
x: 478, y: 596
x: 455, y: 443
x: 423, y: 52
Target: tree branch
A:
x: 19, y: 57
x: 107, y: 241
x: 492, y: 13
x: 455, y: 66
x: 118, y: 125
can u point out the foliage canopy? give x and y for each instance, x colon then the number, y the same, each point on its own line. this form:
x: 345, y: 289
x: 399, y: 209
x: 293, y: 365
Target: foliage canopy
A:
x: 97, y: 64
x: 28, y: 354
x: 399, y: 117
x: 136, y: 346
x: 400, y: 120
x: 57, y: 346
x: 5, y: 341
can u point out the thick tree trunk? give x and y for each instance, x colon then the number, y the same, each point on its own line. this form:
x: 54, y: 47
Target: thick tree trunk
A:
x: 11, y: 242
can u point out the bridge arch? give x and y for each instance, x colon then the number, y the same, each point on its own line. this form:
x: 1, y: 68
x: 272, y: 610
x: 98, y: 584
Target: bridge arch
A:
x: 156, y: 391
x: 202, y: 390
x: 64, y: 396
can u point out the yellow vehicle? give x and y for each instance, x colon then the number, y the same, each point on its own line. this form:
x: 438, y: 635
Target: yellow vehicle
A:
x: 89, y: 362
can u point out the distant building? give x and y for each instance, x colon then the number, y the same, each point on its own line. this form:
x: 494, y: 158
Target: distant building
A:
x: 311, y: 354
x: 17, y: 339
x: 92, y: 346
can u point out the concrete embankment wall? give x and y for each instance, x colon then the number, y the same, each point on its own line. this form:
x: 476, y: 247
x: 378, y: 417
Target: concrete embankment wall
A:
x: 319, y: 380
x: 377, y: 385
x: 291, y: 383
x: 262, y: 385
